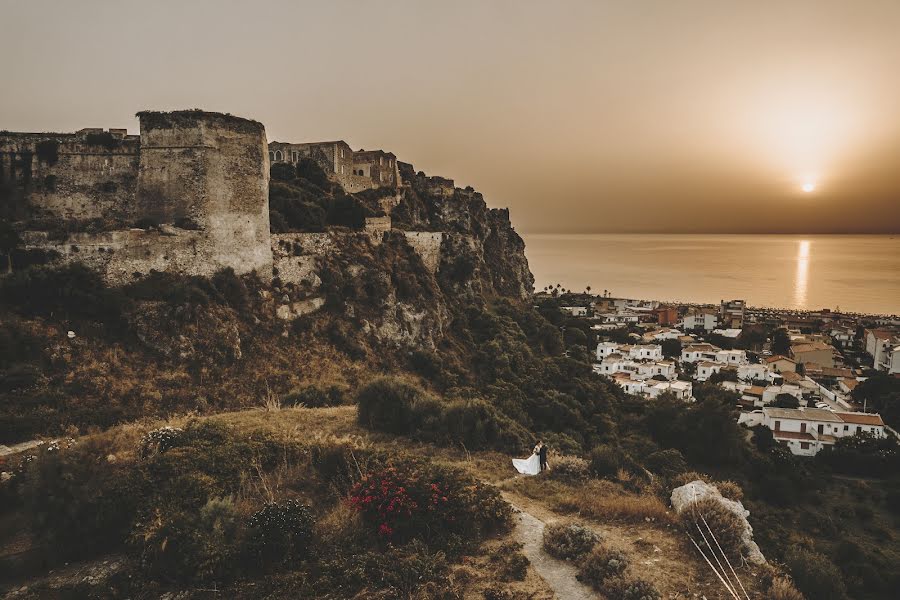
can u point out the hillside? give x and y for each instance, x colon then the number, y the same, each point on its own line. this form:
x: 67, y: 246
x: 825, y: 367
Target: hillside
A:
x: 344, y: 430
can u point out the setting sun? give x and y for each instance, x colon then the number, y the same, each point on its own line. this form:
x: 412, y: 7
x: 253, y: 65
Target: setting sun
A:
x: 808, y: 187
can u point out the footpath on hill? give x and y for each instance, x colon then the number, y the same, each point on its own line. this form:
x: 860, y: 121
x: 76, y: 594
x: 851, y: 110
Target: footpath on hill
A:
x: 558, y: 574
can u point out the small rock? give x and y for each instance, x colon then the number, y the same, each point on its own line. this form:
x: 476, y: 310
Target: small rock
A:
x: 70, y: 335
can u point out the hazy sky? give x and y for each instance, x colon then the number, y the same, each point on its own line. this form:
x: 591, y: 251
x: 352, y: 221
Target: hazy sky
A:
x: 633, y: 115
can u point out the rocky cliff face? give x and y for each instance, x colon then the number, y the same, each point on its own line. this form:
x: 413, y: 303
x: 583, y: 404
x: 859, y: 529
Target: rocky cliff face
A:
x: 481, y: 254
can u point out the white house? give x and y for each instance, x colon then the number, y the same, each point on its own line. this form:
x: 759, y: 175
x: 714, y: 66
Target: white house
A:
x: 683, y: 390
x: 575, y: 311
x: 604, y: 349
x: 729, y: 333
x: 695, y: 352
x: 879, y: 344
x: 618, y: 318
x: 659, y: 335
x: 805, y: 431
x: 701, y: 318
x: 842, y: 335
x: 755, y: 372
x: 731, y: 357
x: 705, y: 369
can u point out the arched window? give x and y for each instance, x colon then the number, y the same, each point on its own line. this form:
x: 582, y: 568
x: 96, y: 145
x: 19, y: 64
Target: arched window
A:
x: 279, y: 156
x: 271, y: 156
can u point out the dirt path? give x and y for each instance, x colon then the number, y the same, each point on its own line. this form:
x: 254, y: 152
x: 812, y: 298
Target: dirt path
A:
x: 558, y: 574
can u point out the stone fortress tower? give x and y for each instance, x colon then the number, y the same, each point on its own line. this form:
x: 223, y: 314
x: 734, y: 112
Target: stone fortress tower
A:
x: 209, y: 172
x: 190, y: 196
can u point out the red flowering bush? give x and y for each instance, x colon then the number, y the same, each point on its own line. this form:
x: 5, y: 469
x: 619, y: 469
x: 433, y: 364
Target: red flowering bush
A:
x: 434, y: 504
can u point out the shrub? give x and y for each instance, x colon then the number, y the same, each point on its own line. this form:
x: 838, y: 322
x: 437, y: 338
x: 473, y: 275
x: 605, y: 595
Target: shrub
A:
x: 783, y: 589
x: 689, y: 476
x: 570, y: 468
x: 513, y: 565
x: 159, y: 440
x: 606, y: 461
x: 385, y: 404
x: 730, y: 490
x: 666, y: 462
x: 815, y: 575
x: 231, y: 288
x: 629, y: 588
x: 191, y: 545
x: 72, y: 291
x: 569, y: 542
x: 601, y: 564
x: 441, y: 506
x: 315, y: 396
x: 77, y: 503
x: 280, y: 533
x: 725, y: 525
x: 282, y: 171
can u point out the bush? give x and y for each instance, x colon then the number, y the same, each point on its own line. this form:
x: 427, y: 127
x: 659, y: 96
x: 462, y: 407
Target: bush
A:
x: 77, y: 503
x: 730, y: 490
x: 601, y: 564
x: 689, y: 476
x: 815, y: 575
x: 386, y: 403
x: 725, y: 525
x: 440, y: 506
x: 315, y: 396
x: 569, y: 542
x: 189, y: 545
x: 159, y: 440
x: 571, y: 468
x: 73, y: 291
x: 666, y: 462
x: 280, y: 534
x: 629, y: 588
x: 783, y: 589
x: 606, y: 461
x: 512, y: 564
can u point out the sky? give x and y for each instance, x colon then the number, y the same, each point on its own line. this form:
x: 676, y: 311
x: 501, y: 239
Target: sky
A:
x: 581, y: 117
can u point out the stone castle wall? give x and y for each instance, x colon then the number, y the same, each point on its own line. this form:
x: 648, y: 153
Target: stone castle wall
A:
x: 427, y: 245
x: 87, y: 175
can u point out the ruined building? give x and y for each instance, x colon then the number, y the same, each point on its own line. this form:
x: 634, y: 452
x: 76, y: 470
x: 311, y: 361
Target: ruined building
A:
x: 202, y: 178
x: 354, y: 170
x: 190, y: 195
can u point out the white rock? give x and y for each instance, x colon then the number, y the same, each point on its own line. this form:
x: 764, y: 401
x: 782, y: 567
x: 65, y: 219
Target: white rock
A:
x: 698, y: 490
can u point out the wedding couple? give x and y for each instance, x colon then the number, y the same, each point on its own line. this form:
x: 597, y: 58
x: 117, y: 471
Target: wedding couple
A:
x: 535, y: 463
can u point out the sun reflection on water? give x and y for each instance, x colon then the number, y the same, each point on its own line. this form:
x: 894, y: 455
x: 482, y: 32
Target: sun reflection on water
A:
x: 801, y: 278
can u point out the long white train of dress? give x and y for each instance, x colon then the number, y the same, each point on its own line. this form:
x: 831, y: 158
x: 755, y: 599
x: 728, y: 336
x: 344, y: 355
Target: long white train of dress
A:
x: 528, y: 466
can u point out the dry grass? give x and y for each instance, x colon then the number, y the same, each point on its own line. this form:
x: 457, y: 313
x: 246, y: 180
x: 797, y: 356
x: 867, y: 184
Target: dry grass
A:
x: 706, y: 514
x: 606, y: 501
x: 783, y: 589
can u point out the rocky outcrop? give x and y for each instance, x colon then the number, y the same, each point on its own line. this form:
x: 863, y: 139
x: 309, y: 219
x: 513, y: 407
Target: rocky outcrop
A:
x: 683, y: 497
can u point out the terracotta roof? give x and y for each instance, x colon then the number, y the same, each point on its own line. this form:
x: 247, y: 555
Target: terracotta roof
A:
x: 811, y: 347
x: 755, y: 390
x: 778, y: 357
x: 861, y: 418
x: 882, y: 334
x: 793, y: 435
x: 850, y: 384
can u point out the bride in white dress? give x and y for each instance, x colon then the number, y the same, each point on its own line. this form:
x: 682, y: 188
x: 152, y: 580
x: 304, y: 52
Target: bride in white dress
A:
x: 530, y: 465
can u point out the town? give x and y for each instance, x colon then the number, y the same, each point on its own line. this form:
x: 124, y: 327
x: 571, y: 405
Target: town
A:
x: 795, y: 373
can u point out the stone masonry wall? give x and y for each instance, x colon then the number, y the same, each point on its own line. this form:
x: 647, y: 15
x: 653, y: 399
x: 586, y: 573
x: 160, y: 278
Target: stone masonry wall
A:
x: 427, y: 245
x: 211, y: 170
x: 73, y: 176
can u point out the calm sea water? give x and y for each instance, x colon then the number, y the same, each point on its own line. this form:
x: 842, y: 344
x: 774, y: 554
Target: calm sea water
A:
x: 852, y: 272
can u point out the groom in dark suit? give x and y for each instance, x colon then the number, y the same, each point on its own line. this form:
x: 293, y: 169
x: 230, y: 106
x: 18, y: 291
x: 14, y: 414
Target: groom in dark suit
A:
x: 543, y: 455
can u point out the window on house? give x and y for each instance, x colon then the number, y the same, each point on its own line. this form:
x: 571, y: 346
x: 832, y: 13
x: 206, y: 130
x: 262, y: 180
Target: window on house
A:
x: 777, y: 425
x: 271, y: 156
x: 846, y: 427
x: 804, y: 445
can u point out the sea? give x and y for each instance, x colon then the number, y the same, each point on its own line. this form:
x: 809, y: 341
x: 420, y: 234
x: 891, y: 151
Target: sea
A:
x: 853, y: 273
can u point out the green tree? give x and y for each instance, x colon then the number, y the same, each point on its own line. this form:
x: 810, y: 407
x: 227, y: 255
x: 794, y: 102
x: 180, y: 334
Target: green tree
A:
x: 781, y: 342
x: 671, y: 348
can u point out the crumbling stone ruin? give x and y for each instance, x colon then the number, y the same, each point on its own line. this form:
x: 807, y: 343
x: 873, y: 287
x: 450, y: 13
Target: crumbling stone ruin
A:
x: 190, y: 195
